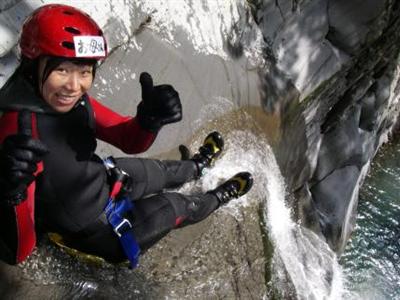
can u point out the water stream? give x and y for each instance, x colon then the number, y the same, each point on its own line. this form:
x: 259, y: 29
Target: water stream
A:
x: 299, y: 254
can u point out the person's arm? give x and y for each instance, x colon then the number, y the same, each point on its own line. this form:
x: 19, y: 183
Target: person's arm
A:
x: 20, y: 160
x: 122, y: 132
x: 160, y: 106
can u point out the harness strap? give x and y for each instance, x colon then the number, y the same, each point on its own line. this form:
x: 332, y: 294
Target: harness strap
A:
x: 115, y: 210
x: 117, y: 207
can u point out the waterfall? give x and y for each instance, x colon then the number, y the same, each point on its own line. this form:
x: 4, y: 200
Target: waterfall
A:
x: 299, y: 254
x: 311, y: 266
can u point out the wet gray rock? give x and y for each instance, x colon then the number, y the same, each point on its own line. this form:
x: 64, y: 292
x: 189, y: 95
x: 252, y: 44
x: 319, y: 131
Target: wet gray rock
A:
x: 353, y: 23
x: 341, y: 146
x: 222, y: 257
x: 342, y: 123
x: 336, y: 188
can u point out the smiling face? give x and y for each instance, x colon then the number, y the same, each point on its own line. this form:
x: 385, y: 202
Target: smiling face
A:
x: 65, y: 85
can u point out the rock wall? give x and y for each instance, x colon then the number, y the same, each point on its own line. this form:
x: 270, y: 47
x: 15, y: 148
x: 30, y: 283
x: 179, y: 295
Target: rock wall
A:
x: 335, y: 83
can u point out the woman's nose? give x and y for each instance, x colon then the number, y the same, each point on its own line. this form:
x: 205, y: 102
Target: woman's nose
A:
x: 73, y: 82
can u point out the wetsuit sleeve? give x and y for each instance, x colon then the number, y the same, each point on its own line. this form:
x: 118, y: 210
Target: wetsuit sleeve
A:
x: 122, y: 132
x: 17, y: 227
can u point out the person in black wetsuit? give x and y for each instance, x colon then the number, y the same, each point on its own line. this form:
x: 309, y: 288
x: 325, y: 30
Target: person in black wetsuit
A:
x: 51, y: 180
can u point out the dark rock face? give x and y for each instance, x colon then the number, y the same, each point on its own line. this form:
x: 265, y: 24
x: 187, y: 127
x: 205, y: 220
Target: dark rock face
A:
x: 350, y: 23
x: 336, y: 190
x: 330, y: 136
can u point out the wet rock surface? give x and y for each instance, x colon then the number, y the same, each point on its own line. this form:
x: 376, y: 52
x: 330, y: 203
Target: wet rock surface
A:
x: 339, y: 125
x: 220, y: 257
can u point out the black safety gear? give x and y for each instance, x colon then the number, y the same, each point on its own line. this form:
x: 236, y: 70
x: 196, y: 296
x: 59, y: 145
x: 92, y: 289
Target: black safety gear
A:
x: 18, y: 158
x: 185, y: 152
x: 156, y: 212
x: 210, y: 150
x: 234, y: 187
x: 160, y: 104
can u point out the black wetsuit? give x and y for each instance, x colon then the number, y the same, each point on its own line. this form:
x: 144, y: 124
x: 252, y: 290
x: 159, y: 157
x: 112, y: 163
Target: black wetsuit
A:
x: 73, y: 188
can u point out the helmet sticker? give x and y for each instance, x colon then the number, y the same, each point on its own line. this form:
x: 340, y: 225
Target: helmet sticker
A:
x: 89, y: 46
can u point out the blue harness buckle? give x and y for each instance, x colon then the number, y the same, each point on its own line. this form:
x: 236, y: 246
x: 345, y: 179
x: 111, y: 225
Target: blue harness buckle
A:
x: 117, y: 206
x: 124, y: 222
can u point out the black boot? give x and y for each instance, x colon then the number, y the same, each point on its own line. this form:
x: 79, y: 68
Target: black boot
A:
x: 235, y: 187
x: 209, y: 151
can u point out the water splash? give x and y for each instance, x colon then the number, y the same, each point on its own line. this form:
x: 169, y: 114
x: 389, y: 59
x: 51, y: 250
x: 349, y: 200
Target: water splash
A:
x: 299, y: 253
x: 300, y: 256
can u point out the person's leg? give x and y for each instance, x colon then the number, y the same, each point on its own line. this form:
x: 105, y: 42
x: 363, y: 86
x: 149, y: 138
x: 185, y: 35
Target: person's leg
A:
x: 156, y: 216
x: 152, y: 219
x: 152, y: 176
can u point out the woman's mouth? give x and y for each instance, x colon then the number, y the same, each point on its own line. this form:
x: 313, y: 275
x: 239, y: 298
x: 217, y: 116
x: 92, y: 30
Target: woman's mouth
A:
x: 66, y: 99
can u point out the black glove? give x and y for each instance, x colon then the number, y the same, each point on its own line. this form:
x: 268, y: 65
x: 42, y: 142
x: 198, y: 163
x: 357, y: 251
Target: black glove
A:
x: 160, y: 104
x: 185, y: 152
x: 18, y: 158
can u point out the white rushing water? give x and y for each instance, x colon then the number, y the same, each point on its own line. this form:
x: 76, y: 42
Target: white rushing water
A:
x: 299, y: 254
x: 301, y: 258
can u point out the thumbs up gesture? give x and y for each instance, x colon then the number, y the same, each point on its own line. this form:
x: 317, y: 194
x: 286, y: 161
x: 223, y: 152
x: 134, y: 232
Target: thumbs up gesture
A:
x: 160, y: 104
x: 19, y: 155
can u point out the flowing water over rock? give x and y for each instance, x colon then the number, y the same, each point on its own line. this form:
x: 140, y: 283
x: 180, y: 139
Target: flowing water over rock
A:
x: 309, y: 263
x: 299, y: 254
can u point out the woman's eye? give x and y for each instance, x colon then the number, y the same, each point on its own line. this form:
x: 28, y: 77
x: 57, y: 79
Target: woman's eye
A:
x: 61, y: 70
x: 86, y: 72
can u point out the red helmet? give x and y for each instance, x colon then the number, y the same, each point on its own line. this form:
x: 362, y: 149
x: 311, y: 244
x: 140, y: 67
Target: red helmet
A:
x: 62, y: 30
